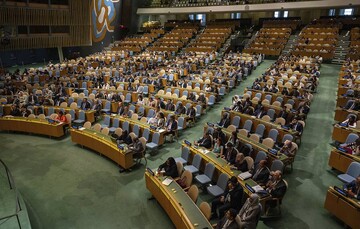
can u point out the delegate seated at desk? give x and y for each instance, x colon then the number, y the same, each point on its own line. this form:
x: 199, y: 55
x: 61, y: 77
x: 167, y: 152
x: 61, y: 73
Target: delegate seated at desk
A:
x: 296, y: 125
x: 230, y: 199
x: 240, y: 163
x: 171, y: 126
x: 276, y: 187
x: 350, y: 122
x: 205, y: 141
x: 85, y: 105
x: 352, y: 148
x: 261, y: 173
x: 228, y: 221
x: 230, y: 153
x: 136, y: 148
x: 169, y: 168
x: 225, y: 120
x: 353, y: 188
x: 248, y: 216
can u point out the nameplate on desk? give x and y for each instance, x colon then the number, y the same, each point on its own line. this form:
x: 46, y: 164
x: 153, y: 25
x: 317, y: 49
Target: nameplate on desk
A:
x: 82, y: 128
x: 245, y: 175
x: 150, y: 171
x: 121, y: 146
x: 249, y: 188
x: 341, y: 191
x: 187, y: 142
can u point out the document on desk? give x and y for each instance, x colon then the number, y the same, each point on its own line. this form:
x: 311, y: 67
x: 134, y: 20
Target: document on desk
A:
x: 257, y: 188
x: 245, y: 175
x: 82, y: 128
x: 161, y: 130
x: 167, y: 181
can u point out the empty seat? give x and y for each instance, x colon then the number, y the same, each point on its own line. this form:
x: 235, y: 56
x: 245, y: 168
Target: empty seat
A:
x: 219, y: 188
x: 207, y: 176
x: 195, y: 165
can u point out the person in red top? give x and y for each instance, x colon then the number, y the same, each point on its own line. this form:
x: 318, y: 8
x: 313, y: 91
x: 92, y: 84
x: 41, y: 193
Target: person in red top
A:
x: 61, y: 117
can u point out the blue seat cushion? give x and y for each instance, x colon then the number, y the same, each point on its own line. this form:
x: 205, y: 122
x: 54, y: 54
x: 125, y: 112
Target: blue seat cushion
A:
x: 346, y: 178
x: 202, y: 179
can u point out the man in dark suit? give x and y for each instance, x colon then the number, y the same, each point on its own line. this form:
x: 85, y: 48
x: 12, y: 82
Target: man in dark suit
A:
x: 225, y: 120
x: 231, y: 198
x: 295, y: 125
x: 171, y: 127
x: 205, y: 141
x: 32, y: 99
x: 170, y: 106
x: 276, y: 187
x: 180, y: 109
x: 228, y: 221
x: 85, y: 105
x: 231, y: 153
x: 191, y: 113
x: 261, y: 173
x: 284, y: 114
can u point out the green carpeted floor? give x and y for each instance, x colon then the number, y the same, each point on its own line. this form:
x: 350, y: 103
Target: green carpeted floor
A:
x: 65, y: 186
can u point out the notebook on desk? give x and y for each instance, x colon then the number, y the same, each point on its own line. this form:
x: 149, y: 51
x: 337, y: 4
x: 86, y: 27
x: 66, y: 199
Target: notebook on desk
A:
x: 245, y: 175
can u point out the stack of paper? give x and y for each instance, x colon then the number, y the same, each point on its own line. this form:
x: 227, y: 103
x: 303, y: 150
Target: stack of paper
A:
x: 167, y: 181
x: 245, y: 175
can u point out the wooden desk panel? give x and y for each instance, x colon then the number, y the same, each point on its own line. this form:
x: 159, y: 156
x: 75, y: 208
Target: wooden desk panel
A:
x: 35, y: 126
x: 340, y: 133
x: 341, y: 161
x: 182, y: 211
x: 103, y: 145
x: 341, y: 114
x: 346, y: 209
